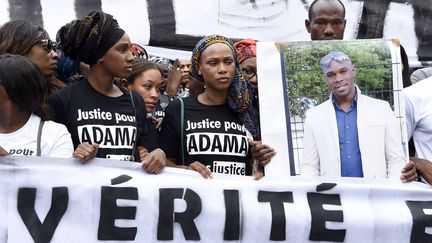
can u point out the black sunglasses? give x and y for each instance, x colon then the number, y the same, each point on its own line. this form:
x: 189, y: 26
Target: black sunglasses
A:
x: 47, y: 45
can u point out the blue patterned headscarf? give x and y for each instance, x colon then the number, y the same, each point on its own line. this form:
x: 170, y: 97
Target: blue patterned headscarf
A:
x: 240, y: 96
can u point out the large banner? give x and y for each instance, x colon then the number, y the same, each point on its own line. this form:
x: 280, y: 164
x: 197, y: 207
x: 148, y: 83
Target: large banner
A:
x: 179, y: 24
x: 61, y: 200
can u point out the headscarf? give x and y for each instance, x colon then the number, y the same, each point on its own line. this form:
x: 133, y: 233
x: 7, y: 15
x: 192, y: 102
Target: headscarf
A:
x: 240, y: 95
x: 87, y: 40
x: 138, y: 51
x: 245, y: 49
x: 161, y: 60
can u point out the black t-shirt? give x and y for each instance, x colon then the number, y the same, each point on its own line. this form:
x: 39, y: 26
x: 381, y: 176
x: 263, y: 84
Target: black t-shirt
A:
x: 212, y: 135
x: 92, y: 117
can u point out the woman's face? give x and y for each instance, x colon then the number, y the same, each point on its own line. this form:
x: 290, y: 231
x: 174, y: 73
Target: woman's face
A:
x: 217, y: 67
x: 118, y: 59
x: 147, y: 84
x: 43, y: 55
x: 250, y: 71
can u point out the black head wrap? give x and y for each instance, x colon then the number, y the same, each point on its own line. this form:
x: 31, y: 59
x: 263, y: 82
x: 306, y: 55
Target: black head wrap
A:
x: 89, y: 39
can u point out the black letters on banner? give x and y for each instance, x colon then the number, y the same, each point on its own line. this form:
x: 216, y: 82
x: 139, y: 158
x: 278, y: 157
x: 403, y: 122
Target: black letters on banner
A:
x: 42, y: 232
x: 420, y: 221
x: 232, y: 218
x: 109, y: 212
x: 276, y: 200
x: 185, y: 219
x: 163, y: 27
x: 319, y: 232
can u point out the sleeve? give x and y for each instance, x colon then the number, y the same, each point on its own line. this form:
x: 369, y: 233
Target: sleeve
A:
x: 409, y: 116
x: 141, y: 116
x: 57, y: 106
x: 394, y: 152
x: 169, y: 135
x: 310, y: 164
x: 58, y: 141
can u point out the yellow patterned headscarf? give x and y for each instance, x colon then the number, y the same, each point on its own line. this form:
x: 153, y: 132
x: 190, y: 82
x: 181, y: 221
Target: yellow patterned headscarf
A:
x: 240, y: 96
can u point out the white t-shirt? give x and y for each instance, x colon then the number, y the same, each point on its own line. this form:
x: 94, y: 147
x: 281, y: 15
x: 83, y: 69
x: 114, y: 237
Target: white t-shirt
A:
x: 56, y: 141
x: 418, y: 107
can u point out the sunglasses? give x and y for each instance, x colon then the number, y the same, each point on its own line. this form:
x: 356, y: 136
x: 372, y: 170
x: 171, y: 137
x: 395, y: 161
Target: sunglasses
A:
x: 333, y: 56
x: 47, y: 45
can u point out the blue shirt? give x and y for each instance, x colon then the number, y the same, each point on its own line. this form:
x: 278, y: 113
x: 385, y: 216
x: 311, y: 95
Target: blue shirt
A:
x: 350, y: 156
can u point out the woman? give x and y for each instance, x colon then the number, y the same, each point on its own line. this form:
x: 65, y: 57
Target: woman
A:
x: 246, y: 52
x: 213, y: 137
x: 21, y: 37
x: 104, y: 120
x: 146, y: 80
x: 24, y: 126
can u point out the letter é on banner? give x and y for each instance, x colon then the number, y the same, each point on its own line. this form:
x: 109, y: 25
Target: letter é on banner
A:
x: 42, y: 232
x: 319, y: 232
x: 109, y: 212
x: 276, y: 200
x: 185, y: 219
x: 420, y: 221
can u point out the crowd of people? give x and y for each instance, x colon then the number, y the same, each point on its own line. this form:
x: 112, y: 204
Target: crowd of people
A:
x: 98, y: 94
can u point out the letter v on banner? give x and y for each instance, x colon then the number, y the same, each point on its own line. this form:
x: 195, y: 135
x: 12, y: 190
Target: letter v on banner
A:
x: 42, y: 232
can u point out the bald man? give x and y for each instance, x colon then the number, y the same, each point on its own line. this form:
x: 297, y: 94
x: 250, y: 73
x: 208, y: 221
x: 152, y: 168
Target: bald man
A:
x: 326, y: 20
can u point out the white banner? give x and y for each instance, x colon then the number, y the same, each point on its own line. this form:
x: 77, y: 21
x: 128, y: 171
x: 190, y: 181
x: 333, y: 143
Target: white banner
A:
x: 60, y: 200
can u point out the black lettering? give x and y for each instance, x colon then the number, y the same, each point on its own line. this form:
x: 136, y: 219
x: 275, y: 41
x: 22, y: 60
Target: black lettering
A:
x: 185, y: 219
x: 109, y: 212
x: 42, y: 232
x: 276, y: 200
x: 319, y: 232
x: 216, y: 146
x: 203, y: 138
x: 232, y: 218
x: 244, y: 147
x: 85, y: 136
x: 132, y: 142
x: 122, y: 134
x: 192, y: 144
x: 231, y: 143
x: 163, y: 30
x: 420, y: 221
x: 108, y: 138
x: 98, y: 135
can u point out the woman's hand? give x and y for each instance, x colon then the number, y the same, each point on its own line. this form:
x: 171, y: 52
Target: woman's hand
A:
x: 174, y: 79
x: 154, y: 161
x: 3, y: 152
x: 200, y: 168
x: 85, y: 152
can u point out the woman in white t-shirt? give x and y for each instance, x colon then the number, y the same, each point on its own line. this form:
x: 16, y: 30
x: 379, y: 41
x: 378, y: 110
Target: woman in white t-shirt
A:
x: 24, y: 126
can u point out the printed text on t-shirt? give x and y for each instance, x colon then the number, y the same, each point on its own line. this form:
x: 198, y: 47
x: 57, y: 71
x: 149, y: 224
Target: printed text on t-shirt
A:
x: 97, y: 114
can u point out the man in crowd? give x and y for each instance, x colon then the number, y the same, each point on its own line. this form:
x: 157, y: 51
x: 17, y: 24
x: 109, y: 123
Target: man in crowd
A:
x: 326, y: 20
x: 351, y: 135
x: 418, y: 107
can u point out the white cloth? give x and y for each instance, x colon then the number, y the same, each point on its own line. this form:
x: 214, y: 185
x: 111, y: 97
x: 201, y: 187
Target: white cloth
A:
x: 379, y: 140
x: 418, y: 110
x: 55, y: 139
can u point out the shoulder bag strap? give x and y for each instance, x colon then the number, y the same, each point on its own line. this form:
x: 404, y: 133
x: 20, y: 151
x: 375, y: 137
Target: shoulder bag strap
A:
x: 39, y: 135
x: 181, y: 129
x: 136, y: 126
